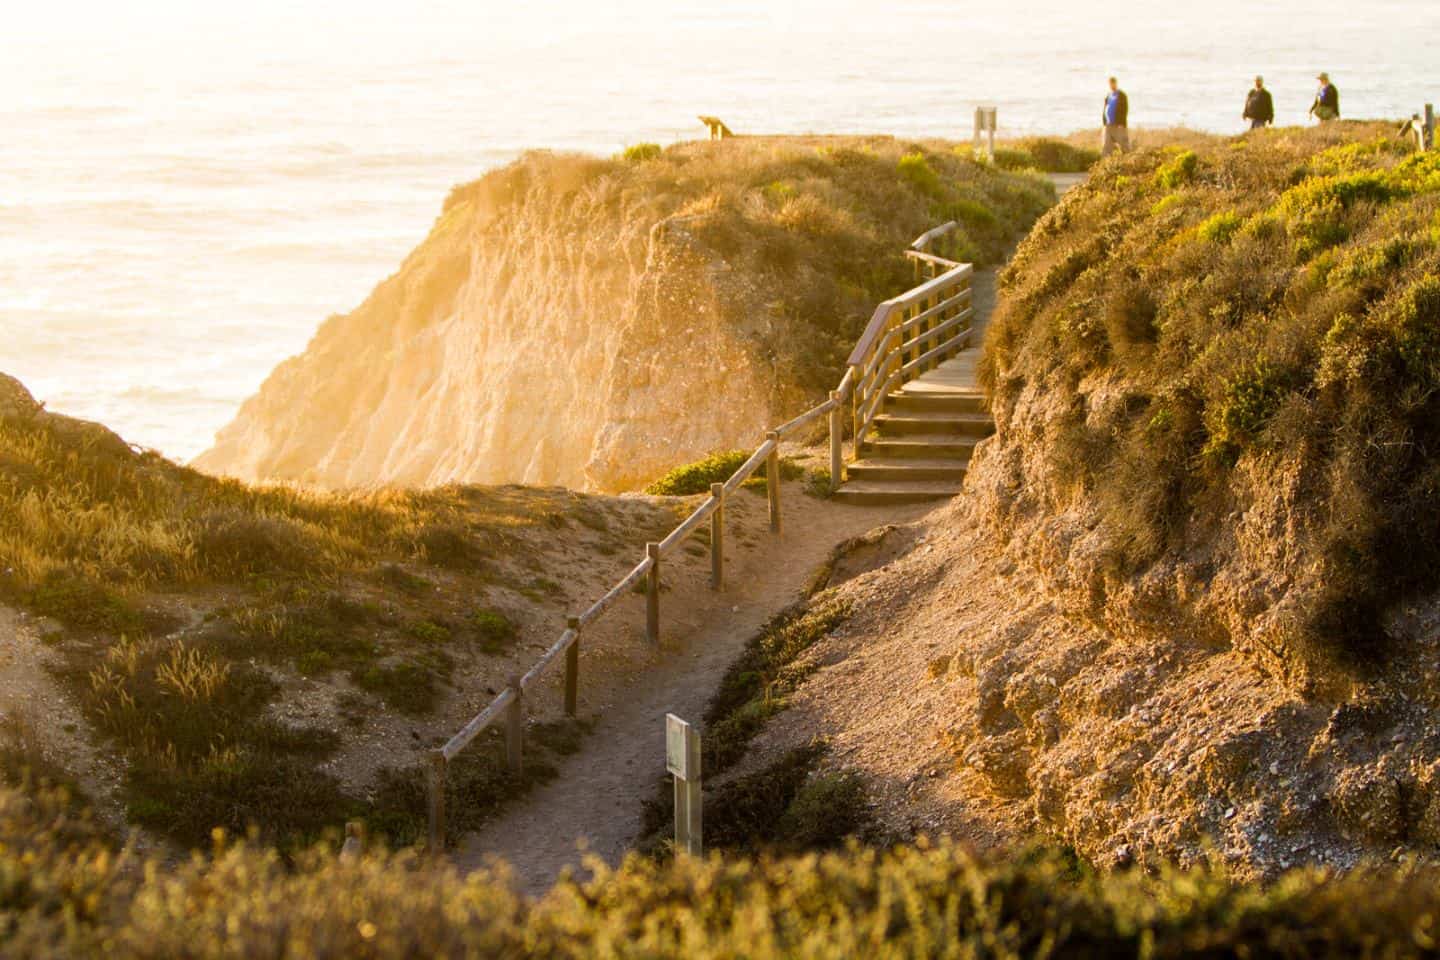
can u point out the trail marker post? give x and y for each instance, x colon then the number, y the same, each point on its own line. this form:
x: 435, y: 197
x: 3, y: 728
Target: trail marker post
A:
x: 985, y: 123
x: 682, y: 760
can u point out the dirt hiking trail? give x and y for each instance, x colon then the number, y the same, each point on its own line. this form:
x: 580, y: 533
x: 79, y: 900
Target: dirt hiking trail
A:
x: 596, y: 798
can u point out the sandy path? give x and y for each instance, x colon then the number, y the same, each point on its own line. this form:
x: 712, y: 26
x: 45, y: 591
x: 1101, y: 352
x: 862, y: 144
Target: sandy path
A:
x: 597, y: 795
x: 38, y: 711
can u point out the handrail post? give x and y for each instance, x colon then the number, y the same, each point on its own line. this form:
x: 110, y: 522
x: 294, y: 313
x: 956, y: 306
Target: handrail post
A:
x: 717, y: 537
x: 572, y: 668
x: 855, y: 392
x: 515, y: 727
x: 772, y: 480
x: 652, y: 595
x: 837, y: 457
x: 436, y: 777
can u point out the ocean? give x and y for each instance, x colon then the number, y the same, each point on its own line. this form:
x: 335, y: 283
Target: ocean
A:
x: 187, y: 189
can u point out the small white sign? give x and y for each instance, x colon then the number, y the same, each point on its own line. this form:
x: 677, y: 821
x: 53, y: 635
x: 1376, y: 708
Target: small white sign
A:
x: 677, y: 746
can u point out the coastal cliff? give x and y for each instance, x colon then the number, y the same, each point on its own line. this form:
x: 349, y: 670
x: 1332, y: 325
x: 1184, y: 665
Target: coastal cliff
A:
x: 592, y: 322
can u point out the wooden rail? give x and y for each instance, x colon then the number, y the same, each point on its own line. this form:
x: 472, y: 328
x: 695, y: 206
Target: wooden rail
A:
x: 911, y: 333
x: 907, y: 335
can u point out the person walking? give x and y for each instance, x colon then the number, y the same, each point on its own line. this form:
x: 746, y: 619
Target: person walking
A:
x: 1327, y: 101
x: 1115, y: 116
x: 1259, y: 106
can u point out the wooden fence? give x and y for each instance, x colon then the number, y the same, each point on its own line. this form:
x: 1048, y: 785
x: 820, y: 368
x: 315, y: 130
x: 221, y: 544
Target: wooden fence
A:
x: 906, y: 336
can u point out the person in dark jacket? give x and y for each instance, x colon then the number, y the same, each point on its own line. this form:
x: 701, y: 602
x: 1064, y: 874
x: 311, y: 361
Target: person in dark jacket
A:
x: 1259, y: 106
x: 1115, y: 118
x: 1327, y: 101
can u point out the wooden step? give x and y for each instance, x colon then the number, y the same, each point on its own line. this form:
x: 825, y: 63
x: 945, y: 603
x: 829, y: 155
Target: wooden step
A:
x: 969, y: 424
x: 907, y: 470
x: 968, y: 402
x: 873, y: 493
x: 945, y: 446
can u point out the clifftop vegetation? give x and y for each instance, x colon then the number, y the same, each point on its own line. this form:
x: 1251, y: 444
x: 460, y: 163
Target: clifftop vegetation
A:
x: 1227, y: 358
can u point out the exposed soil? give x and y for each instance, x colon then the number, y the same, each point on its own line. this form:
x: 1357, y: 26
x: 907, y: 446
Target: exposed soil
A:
x: 41, y: 714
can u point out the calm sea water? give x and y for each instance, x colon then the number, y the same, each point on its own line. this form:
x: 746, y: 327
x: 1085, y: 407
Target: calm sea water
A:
x: 186, y: 193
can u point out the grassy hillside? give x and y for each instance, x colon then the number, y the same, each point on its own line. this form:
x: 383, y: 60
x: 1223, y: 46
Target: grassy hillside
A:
x: 1223, y: 363
x: 66, y: 892
x: 231, y: 645
x: 816, y: 226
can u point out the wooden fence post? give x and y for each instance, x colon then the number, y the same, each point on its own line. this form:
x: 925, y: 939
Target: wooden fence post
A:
x: 515, y: 727
x: 1429, y: 127
x: 837, y: 457
x: 438, y: 763
x: 717, y: 537
x: 772, y: 480
x: 572, y: 669
x: 652, y: 595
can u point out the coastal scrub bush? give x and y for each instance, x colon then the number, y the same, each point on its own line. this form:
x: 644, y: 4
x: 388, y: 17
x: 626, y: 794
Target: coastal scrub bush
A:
x: 1058, y: 156
x: 916, y: 170
x: 1178, y: 171
x: 695, y: 478
x: 494, y: 630
x: 641, y: 152
x: 68, y: 892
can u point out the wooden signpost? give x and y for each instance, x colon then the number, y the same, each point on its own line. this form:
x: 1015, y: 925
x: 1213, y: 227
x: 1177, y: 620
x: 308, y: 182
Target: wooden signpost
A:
x: 985, y: 123
x: 682, y: 760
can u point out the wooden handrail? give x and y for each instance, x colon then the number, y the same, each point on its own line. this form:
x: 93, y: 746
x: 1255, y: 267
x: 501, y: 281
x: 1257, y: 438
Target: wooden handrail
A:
x: 627, y: 584
x: 910, y: 297
x: 680, y: 533
x: 922, y: 242
x: 748, y: 468
x: 913, y: 322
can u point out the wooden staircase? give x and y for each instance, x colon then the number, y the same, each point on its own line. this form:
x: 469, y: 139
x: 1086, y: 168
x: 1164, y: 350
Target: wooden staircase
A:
x: 921, y: 442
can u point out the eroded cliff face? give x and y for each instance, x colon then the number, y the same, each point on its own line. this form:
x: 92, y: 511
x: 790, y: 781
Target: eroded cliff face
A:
x: 593, y: 323
x: 518, y: 349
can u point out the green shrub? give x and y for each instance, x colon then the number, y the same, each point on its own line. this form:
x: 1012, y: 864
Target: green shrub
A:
x: 695, y: 478
x: 1178, y: 171
x: 1014, y: 158
x: 1057, y: 156
x: 1250, y: 400
x: 495, y: 632
x: 83, y: 603
x: 641, y: 152
x: 915, y: 169
x: 1219, y: 228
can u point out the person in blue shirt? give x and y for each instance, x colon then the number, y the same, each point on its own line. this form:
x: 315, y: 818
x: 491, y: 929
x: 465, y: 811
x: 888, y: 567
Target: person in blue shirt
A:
x: 1327, y: 101
x: 1116, y: 119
